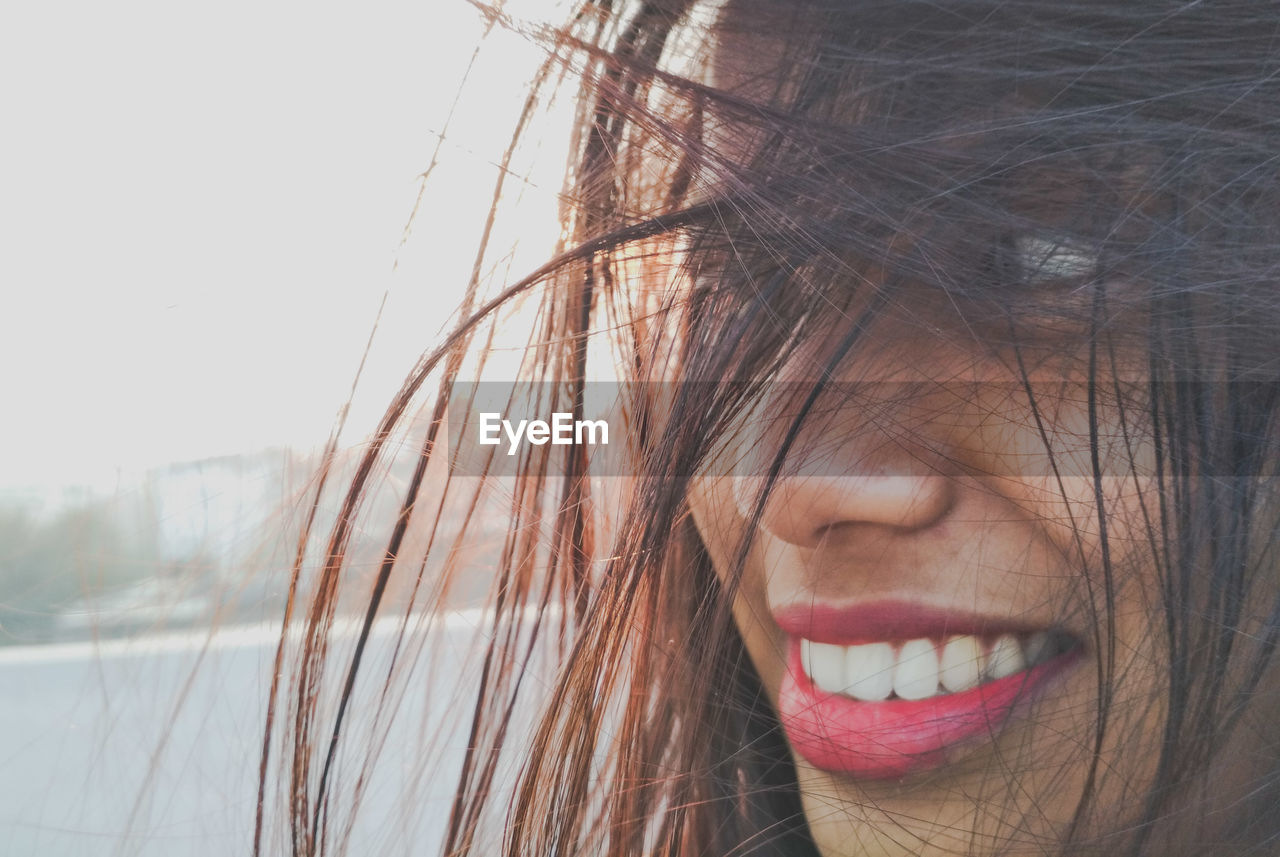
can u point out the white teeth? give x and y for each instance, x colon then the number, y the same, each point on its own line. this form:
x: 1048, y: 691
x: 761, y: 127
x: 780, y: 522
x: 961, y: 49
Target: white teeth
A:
x: 826, y: 666
x: 916, y: 675
x: 1038, y: 648
x: 1005, y: 658
x: 868, y: 671
x: 921, y: 668
x: 961, y: 663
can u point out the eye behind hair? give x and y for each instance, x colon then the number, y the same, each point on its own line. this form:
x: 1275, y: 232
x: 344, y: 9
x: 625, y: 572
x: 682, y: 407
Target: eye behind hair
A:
x: 1045, y: 259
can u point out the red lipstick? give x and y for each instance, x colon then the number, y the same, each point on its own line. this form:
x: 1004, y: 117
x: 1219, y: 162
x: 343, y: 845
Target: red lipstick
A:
x: 892, y: 737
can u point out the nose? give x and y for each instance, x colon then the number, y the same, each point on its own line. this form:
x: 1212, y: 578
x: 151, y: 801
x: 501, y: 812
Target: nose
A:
x: 870, y: 462
x: 804, y: 509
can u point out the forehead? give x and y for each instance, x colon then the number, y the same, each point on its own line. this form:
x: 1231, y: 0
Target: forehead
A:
x: 928, y: 60
x: 749, y: 43
x: 872, y: 90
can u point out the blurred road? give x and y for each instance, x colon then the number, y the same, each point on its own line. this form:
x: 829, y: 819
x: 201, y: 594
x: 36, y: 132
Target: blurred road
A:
x: 86, y: 728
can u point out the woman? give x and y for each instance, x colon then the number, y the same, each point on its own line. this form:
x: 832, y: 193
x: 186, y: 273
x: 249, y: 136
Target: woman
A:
x: 948, y: 333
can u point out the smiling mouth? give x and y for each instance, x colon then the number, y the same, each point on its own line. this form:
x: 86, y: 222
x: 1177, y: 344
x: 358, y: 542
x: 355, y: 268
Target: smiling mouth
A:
x: 922, y: 668
x: 901, y: 704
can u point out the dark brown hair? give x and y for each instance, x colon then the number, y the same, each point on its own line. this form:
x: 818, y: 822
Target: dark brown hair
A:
x: 776, y: 174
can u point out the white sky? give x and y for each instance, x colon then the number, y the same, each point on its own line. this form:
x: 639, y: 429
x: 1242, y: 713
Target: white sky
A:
x: 200, y: 207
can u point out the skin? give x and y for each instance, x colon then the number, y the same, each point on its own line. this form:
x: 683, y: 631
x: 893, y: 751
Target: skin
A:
x: 946, y: 499
x: 944, y: 513
x: 947, y: 512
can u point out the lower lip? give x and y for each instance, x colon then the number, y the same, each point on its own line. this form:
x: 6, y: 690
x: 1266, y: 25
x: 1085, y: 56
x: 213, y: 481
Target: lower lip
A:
x: 897, y: 737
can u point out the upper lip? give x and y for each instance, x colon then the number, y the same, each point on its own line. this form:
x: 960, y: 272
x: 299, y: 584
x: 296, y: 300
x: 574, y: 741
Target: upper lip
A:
x: 889, y: 619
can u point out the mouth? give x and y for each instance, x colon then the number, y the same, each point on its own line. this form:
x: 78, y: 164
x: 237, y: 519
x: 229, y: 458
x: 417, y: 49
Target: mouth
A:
x: 887, y: 690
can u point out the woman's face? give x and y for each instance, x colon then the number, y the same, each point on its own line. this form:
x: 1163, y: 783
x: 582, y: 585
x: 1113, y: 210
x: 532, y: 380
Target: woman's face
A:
x: 925, y: 598
x: 934, y: 606
x: 951, y: 590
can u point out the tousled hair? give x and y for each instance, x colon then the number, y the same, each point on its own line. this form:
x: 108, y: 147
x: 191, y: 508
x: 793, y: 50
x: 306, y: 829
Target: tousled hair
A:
x: 774, y: 174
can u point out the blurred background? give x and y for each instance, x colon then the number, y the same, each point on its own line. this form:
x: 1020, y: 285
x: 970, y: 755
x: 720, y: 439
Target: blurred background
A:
x: 203, y: 209
x: 204, y: 212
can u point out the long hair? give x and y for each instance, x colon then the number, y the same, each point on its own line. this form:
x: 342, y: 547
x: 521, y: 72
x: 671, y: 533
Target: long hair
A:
x: 1096, y: 179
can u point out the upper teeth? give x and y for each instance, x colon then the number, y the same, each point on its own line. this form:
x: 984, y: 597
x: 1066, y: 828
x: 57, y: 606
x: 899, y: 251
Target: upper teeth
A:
x: 921, y: 668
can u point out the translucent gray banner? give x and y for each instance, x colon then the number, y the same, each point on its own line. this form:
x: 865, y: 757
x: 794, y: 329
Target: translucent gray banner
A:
x: 1051, y: 428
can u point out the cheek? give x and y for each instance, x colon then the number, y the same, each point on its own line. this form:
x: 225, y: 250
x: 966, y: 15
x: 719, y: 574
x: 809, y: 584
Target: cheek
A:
x: 710, y: 503
x: 721, y: 526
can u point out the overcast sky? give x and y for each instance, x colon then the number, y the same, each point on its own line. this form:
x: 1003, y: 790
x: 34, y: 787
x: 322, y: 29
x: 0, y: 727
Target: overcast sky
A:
x: 201, y: 206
